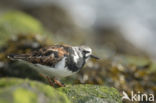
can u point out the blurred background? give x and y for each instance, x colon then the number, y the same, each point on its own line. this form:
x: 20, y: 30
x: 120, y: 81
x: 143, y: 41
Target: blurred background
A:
x: 121, y: 33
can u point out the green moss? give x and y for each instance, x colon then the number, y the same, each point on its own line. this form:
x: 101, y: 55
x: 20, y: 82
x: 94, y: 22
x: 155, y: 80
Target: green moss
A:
x: 91, y: 94
x: 26, y: 91
x: 3, y: 101
x: 15, y: 22
x: 27, y: 96
x: 51, y: 92
x: 4, y: 83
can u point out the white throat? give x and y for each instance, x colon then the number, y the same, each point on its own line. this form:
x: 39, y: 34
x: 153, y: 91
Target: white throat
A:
x: 77, y: 54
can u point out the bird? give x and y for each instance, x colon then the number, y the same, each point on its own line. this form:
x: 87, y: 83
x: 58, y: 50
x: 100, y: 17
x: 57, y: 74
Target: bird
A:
x: 57, y: 61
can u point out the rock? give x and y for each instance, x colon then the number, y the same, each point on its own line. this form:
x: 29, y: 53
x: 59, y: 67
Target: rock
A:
x: 13, y: 90
x: 91, y: 94
x: 15, y: 22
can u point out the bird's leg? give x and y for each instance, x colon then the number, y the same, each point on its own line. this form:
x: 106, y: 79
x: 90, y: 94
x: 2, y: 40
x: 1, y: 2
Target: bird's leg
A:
x: 58, y: 82
x: 54, y: 80
x: 50, y: 82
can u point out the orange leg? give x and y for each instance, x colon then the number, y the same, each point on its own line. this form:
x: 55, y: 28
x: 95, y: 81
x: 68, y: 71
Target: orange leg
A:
x: 58, y: 83
x: 50, y: 82
x: 53, y: 81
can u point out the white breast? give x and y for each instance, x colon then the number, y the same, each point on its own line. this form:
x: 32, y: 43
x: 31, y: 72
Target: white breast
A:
x: 59, y: 71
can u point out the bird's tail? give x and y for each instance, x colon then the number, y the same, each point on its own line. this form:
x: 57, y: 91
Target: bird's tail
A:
x: 18, y: 56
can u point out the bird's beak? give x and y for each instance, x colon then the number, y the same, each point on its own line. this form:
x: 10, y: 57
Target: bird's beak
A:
x: 93, y: 56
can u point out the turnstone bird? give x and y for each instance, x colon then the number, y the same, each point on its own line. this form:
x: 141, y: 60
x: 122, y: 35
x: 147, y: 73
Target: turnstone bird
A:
x: 57, y: 61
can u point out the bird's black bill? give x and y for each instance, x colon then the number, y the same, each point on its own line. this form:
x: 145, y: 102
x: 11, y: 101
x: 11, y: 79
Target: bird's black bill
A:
x: 93, y: 56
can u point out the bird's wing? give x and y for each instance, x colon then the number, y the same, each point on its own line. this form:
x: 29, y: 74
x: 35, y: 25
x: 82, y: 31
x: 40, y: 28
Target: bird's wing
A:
x: 48, y: 56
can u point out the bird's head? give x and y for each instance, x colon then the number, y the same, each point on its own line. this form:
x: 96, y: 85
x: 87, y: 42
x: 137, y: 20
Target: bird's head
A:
x: 87, y: 52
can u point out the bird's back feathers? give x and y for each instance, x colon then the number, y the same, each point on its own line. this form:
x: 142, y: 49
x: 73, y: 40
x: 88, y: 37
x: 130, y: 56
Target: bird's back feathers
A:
x: 48, y: 56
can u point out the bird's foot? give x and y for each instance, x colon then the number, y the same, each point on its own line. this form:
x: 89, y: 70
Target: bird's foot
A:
x: 58, y: 83
x: 50, y: 81
x: 54, y: 82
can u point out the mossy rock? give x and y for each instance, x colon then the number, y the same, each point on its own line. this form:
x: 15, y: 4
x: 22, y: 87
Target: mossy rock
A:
x: 13, y: 90
x: 91, y: 94
x: 15, y: 22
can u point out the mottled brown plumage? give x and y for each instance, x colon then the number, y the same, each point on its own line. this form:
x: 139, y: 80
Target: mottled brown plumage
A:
x: 48, y: 56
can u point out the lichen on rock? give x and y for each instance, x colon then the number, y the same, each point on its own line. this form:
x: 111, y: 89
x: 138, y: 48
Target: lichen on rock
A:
x: 13, y: 90
x: 91, y: 94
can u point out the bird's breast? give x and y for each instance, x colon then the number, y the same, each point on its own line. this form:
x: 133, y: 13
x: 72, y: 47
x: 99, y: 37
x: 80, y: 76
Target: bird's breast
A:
x: 73, y: 65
